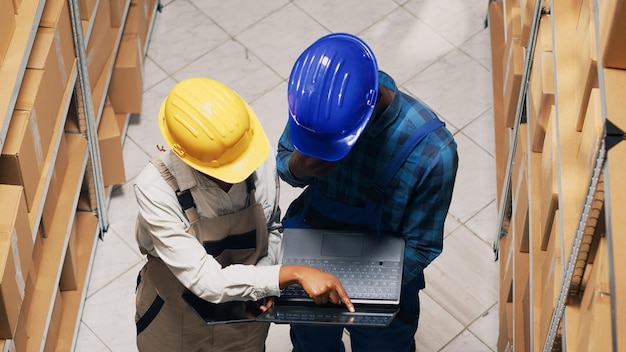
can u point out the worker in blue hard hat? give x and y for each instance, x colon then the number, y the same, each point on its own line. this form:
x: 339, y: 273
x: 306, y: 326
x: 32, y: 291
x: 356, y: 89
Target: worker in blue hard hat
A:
x: 369, y: 157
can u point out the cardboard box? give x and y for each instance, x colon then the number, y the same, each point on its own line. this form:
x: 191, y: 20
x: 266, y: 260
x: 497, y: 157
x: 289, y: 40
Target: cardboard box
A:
x: 41, y: 95
x: 151, y: 8
x: 587, y: 65
x: 549, y: 180
x: 519, y: 185
x: 595, y: 304
x: 100, y: 43
x: 22, y: 158
x: 62, y: 161
x: 11, y: 295
x: 49, y: 208
x: 544, y: 34
x: 514, y: 70
x: 612, y: 33
x: 510, y: 326
x: 137, y: 21
x: 550, y: 277
x: 520, y: 212
x: 122, y: 122
x: 591, y: 135
x: 513, y: 25
x: 7, y: 27
x: 615, y: 86
x: 15, y: 221
x: 111, y: 154
x: 50, y: 205
x: 527, y: 8
x: 54, y: 327
x: 542, y: 97
x: 520, y: 279
x: 53, y: 12
x: 68, y: 280
x: 506, y: 267
x: 71, y: 121
x: 87, y: 8
x: 616, y: 168
x: 126, y: 87
x: 38, y: 252
x: 44, y: 57
x: 496, y: 30
x: 56, y: 17
x: 541, y: 83
x: 600, y: 338
x: 16, y: 245
x: 503, y: 337
x: 17, y: 6
x: 57, y: 180
x: 118, y: 8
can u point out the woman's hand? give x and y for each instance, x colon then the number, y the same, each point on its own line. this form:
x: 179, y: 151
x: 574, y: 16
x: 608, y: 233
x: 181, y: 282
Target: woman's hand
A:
x: 321, y: 286
x: 265, y: 303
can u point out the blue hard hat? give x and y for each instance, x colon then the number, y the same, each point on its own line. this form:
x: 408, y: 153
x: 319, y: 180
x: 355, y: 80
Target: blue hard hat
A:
x: 332, y: 90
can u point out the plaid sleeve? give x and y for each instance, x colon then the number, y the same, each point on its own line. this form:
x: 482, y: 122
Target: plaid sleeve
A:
x: 425, y: 215
x: 285, y: 148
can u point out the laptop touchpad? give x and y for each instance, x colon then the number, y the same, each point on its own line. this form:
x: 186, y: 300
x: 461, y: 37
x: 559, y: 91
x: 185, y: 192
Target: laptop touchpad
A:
x: 342, y: 245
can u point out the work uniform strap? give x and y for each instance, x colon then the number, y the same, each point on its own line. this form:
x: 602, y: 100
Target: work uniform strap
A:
x: 377, y: 193
x: 184, y: 197
x: 150, y: 314
x: 251, y: 186
x: 383, y: 181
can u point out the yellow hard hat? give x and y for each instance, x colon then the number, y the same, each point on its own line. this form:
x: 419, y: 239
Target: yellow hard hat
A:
x: 212, y: 129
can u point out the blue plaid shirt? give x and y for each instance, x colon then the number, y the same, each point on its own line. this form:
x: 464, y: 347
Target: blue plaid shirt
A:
x: 419, y: 195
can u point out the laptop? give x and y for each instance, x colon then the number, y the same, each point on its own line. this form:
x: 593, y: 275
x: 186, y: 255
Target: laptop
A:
x: 369, y: 266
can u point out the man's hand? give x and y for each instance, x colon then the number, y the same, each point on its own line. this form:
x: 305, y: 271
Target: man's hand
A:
x: 303, y: 166
x: 321, y: 286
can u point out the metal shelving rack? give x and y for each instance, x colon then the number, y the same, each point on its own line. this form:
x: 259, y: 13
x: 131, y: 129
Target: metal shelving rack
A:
x: 596, y: 197
x: 86, y: 177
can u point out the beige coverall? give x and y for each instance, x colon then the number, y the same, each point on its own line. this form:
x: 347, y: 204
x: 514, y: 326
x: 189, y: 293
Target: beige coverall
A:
x: 177, y: 260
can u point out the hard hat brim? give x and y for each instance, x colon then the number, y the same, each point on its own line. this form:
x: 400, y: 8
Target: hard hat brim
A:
x: 237, y: 170
x: 323, y: 146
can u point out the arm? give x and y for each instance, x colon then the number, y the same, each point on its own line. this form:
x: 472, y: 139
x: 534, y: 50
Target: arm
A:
x: 285, y: 150
x: 161, y: 231
x: 268, y: 194
x: 427, y: 211
x: 320, y: 286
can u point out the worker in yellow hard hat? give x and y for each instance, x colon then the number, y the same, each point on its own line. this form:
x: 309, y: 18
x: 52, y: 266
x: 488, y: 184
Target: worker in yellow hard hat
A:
x: 209, y: 225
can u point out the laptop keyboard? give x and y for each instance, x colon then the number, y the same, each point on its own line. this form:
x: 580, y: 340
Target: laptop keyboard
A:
x: 364, y: 280
x: 333, y: 318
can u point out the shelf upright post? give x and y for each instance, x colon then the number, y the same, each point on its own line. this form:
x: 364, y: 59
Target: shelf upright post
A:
x: 504, y: 215
x: 87, y: 119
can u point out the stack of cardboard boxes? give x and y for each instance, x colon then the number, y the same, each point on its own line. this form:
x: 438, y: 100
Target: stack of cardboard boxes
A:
x: 46, y: 242
x: 552, y: 172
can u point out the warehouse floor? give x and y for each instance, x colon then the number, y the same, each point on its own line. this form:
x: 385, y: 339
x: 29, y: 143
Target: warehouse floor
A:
x: 439, y: 53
